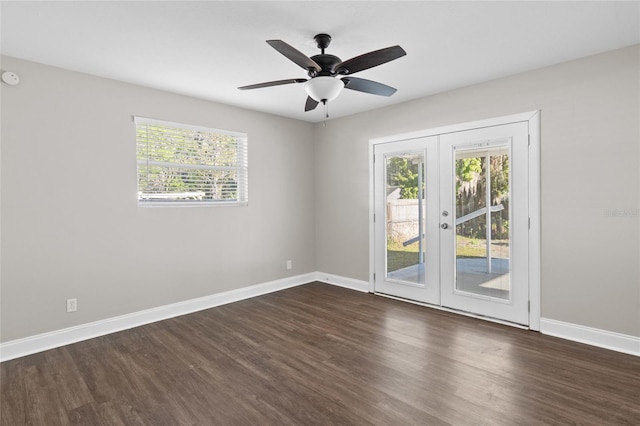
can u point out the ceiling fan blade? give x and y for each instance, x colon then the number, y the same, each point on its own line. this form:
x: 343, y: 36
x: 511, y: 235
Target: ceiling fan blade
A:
x: 273, y: 83
x: 369, y: 60
x: 368, y: 86
x: 294, y: 55
x: 311, y: 104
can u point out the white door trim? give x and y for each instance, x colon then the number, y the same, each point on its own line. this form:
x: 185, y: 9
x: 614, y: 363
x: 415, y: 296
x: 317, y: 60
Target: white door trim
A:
x: 534, y: 216
x: 497, y: 121
x: 533, y: 118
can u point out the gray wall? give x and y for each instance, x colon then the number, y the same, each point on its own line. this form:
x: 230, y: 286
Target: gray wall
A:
x: 590, y: 144
x: 71, y: 226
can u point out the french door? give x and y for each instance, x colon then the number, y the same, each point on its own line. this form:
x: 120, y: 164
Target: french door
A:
x: 407, y: 262
x: 452, y: 220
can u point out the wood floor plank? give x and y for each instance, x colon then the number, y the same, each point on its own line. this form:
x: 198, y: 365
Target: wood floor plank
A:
x: 319, y: 354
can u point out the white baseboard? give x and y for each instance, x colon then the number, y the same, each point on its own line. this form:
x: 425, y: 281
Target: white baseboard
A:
x: 591, y: 336
x: 42, y: 342
x: 340, y: 281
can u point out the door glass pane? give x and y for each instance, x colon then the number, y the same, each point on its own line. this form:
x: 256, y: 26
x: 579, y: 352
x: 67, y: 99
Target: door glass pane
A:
x: 482, y: 235
x: 405, y: 216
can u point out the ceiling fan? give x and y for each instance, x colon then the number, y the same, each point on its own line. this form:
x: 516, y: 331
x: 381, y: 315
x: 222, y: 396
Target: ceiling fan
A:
x: 324, y: 69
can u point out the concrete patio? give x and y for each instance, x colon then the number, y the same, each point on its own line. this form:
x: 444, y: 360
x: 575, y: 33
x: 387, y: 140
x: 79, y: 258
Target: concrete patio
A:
x: 471, y: 276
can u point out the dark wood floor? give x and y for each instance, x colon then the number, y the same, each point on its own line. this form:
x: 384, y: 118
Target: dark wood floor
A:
x: 318, y: 354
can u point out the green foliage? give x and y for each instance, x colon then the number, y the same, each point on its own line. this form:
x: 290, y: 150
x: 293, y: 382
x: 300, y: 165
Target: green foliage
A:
x: 471, y: 195
x: 174, y: 161
x: 471, y: 187
x: 499, y: 178
x: 466, y: 168
x: 404, y: 174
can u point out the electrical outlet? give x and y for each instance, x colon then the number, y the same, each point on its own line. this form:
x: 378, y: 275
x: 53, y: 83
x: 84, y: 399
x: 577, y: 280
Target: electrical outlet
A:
x: 72, y: 305
x: 289, y: 264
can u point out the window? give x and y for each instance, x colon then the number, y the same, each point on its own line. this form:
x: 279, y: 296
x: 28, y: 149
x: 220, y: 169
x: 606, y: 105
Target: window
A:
x: 180, y: 164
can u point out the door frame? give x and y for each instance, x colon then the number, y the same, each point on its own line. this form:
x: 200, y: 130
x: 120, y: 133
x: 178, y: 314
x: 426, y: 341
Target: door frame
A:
x: 533, y: 120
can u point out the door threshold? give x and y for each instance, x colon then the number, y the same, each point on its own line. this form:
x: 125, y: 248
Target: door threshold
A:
x: 454, y: 311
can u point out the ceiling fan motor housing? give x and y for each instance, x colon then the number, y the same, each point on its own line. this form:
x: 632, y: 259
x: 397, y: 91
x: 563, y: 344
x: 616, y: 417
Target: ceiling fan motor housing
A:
x: 327, y: 63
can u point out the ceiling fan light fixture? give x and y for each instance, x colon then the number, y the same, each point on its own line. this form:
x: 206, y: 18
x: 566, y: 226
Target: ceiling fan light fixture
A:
x: 323, y: 88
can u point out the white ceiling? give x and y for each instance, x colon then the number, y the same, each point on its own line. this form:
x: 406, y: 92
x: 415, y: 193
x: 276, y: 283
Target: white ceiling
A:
x: 207, y: 49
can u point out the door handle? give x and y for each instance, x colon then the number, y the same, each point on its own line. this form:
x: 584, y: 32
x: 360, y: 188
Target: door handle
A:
x: 444, y: 226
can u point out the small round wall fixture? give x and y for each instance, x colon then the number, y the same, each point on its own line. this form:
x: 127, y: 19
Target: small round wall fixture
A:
x: 11, y: 78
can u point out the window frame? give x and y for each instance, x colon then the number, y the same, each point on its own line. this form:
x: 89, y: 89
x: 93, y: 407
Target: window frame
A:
x: 241, y: 167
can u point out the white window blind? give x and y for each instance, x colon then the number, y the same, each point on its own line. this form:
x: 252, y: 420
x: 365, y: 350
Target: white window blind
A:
x: 180, y: 164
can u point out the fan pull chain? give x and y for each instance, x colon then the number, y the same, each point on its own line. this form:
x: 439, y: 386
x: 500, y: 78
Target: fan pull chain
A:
x: 326, y: 112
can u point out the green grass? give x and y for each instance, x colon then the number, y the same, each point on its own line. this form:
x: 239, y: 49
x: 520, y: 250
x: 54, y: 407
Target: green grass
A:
x: 470, y: 247
x: 399, y: 257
